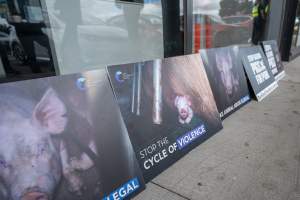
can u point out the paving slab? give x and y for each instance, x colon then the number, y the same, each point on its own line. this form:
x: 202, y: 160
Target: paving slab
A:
x: 293, y: 70
x: 155, y: 192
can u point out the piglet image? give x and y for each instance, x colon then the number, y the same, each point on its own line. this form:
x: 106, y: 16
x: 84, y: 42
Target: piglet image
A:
x: 230, y: 80
x: 30, y: 166
x: 185, y: 112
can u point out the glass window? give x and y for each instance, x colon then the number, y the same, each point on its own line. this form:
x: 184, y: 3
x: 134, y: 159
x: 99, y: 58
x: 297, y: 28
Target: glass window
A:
x: 24, y: 43
x: 296, y: 34
x: 89, y: 34
x: 97, y: 33
x: 173, y: 22
x: 218, y: 23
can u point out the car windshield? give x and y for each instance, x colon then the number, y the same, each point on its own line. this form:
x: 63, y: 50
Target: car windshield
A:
x: 216, y: 19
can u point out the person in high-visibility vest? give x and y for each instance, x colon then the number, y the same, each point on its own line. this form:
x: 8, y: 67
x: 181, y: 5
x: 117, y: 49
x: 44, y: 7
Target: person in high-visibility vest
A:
x: 259, y: 18
x: 267, y: 7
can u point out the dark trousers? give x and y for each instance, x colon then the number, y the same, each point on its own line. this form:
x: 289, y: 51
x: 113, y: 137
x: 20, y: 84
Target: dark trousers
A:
x: 5, y: 60
x: 258, y: 30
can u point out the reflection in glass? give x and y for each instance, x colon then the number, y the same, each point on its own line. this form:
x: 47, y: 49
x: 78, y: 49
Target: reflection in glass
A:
x: 173, y: 21
x: 219, y: 23
x: 100, y: 32
x: 296, y: 34
x: 24, y: 44
x: 260, y: 12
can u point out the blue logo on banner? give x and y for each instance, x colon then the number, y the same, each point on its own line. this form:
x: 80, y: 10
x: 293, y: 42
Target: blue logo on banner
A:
x: 81, y: 83
x: 191, y: 136
x: 119, y: 76
x: 245, y: 99
x: 124, y: 191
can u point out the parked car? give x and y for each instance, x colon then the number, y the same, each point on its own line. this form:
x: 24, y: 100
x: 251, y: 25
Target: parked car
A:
x: 239, y: 20
x: 9, y: 38
x: 98, y: 42
x: 149, y: 28
x: 213, y: 31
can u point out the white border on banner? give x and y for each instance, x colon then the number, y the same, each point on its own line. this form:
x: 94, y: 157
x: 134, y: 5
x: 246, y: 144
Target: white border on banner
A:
x: 280, y: 76
x: 268, y: 90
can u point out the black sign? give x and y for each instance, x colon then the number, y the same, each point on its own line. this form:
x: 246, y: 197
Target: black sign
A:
x: 227, y: 78
x: 274, y: 59
x: 63, y: 138
x: 258, y: 71
x: 168, y: 108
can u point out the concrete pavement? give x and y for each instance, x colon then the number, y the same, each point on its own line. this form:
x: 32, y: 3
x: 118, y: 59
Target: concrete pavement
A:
x: 255, y: 157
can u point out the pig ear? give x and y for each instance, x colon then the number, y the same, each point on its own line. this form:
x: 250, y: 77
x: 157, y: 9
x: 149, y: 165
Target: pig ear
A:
x: 176, y: 101
x: 49, y: 113
x: 188, y: 98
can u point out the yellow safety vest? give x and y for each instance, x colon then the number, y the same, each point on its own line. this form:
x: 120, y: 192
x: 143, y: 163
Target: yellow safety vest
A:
x: 255, y: 12
x: 267, y: 9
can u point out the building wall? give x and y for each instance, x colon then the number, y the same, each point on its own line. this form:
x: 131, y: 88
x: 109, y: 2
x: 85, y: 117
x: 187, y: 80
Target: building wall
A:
x: 287, y: 29
x: 91, y: 34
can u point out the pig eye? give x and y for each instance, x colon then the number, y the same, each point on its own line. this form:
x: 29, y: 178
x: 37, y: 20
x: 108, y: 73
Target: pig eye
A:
x: 43, y: 147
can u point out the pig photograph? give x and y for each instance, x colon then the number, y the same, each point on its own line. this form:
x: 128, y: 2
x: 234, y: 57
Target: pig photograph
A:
x: 164, y: 99
x: 227, y: 78
x: 63, y: 138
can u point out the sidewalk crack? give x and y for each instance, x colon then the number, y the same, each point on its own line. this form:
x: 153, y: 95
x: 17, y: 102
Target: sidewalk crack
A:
x: 169, y: 190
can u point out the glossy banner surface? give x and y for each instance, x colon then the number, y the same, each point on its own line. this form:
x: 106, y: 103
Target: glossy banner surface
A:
x: 274, y: 58
x: 227, y: 78
x: 63, y: 138
x: 168, y: 108
x: 258, y: 71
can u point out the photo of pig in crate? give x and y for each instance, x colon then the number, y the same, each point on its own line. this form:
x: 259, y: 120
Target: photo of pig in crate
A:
x: 63, y: 138
x: 168, y: 108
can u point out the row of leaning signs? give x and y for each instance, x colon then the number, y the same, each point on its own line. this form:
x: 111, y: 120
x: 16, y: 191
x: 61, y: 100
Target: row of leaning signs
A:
x: 103, y: 134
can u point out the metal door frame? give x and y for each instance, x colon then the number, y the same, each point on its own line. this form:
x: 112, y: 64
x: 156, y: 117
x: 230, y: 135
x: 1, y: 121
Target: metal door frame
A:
x: 188, y: 26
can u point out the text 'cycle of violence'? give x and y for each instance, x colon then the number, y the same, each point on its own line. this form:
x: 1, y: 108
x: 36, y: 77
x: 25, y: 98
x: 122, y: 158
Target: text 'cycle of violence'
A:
x: 103, y: 134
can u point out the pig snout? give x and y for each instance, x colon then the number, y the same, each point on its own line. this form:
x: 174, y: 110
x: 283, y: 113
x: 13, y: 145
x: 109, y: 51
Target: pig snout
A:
x: 227, y: 82
x: 35, y: 196
x: 34, y: 185
x: 184, y: 113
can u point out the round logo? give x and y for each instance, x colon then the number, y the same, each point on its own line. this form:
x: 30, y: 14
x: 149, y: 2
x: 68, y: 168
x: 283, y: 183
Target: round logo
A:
x: 81, y: 83
x: 119, y: 77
